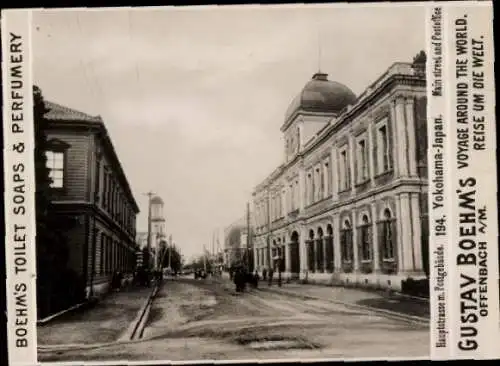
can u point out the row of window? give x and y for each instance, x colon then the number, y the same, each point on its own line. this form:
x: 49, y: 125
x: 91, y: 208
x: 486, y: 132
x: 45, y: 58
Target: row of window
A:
x: 280, y: 203
x: 113, y: 200
x: 112, y: 256
x: 319, y: 179
x: 361, y: 164
x: 319, y: 182
x: 386, y: 237
x: 320, y: 250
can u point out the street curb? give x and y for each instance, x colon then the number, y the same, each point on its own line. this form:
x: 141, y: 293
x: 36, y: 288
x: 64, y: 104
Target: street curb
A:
x: 398, y: 293
x: 60, y: 313
x: 137, y: 326
x: 425, y: 299
x: 140, y: 327
x: 390, y: 313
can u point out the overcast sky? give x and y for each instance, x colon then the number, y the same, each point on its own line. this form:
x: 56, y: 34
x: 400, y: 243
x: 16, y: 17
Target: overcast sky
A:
x: 194, y: 98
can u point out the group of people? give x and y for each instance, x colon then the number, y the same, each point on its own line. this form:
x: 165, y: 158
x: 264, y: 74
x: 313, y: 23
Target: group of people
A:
x: 241, y: 277
x: 144, y: 277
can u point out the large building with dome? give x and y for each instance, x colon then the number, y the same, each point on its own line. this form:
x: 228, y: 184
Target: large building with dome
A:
x: 348, y: 205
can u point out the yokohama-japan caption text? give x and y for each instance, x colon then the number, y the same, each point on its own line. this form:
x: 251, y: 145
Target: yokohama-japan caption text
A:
x: 462, y: 181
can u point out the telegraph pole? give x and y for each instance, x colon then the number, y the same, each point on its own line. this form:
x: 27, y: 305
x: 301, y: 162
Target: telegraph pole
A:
x: 219, y: 264
x: 170, y: 254
x: 213, y: 251
x: 147, y: 260
x: 204, y: 259
x: 268, y: 239
x: 248, y: 237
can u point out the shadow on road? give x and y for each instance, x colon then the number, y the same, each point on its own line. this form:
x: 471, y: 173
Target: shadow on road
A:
x: 399, y: 305
x: 101, y: 322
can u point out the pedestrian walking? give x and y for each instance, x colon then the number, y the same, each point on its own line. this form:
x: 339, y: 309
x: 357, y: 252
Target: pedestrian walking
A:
x: 264, y: 274
x: 256, y: 279
x: 271, y: 273
x: 236, y: 279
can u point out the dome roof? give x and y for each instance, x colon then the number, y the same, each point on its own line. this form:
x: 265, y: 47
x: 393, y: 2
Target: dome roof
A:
x: 156, y: 200
x: 321, y: 95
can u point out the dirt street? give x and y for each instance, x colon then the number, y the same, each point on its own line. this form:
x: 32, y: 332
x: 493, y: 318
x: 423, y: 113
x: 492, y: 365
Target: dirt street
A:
x: 199, y: 320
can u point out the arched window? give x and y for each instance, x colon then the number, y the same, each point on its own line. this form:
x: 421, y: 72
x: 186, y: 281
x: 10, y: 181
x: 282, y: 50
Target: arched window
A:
x: 346, y: 241
x: 365, y: 238
x: 283, y: 256
x: 387, y: 235
x: 329, y: 248
x: 311, y: 255
x: 319, y: 250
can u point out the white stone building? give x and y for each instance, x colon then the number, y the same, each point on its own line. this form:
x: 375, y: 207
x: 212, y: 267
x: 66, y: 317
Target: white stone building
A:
x: 158, y: 226
x: 349, y: 203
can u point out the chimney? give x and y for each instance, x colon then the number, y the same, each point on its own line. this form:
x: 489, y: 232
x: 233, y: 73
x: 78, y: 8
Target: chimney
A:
x: 320, y: 76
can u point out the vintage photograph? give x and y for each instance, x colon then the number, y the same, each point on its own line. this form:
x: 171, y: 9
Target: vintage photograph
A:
x: 231, y: 183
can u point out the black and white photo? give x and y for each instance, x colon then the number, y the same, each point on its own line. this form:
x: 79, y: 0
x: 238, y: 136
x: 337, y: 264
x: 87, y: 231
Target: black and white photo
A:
x: 241, y: 183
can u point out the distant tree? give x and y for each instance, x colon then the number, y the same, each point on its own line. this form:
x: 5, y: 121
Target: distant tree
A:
x: 42, y: 179
x: 201, y: 262
x: 171, y: 256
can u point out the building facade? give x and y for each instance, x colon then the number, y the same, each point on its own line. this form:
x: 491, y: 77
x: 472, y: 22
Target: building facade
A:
x: 89, y: 185
x: 349, y: 203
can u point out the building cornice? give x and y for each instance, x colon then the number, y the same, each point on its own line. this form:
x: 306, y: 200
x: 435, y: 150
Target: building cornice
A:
x: 349, y: 114
x: 353, y: 112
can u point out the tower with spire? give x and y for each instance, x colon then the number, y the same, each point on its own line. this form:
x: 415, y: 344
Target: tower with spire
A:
x: 158, y: 226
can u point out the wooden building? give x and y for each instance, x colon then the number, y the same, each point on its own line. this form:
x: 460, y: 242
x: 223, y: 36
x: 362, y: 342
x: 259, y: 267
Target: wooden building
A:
x: 90, y: 186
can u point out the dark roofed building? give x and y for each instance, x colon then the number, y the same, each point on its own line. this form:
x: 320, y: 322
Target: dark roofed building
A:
x: 90, y: 188
x: 321, y: 95
x: 57, y: 112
